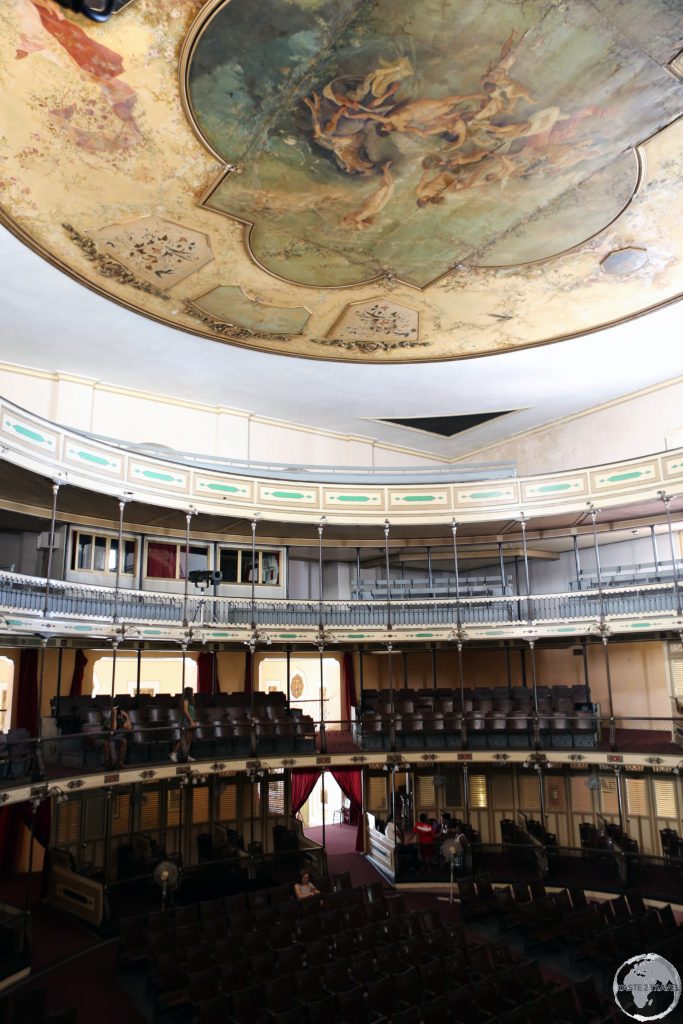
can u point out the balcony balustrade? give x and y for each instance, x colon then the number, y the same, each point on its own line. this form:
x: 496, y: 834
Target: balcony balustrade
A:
x: 32, y: 595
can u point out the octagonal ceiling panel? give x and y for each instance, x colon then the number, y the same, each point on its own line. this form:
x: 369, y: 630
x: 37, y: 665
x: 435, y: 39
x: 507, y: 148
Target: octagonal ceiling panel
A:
x: 469, y: 166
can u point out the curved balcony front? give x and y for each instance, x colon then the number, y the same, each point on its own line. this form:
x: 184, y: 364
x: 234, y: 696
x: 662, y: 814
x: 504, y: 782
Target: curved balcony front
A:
x: 30, y: 605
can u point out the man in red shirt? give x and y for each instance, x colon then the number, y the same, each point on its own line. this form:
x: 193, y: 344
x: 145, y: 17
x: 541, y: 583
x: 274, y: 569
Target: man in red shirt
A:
x: 425, y: 837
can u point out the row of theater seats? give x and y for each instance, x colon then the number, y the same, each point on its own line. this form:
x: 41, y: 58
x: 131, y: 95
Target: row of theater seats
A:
x: 672, y: 844
x: 16, y: 754
x: 494, y: 718
x: 354, y: 956
x: 593, y: 838
x: 482, y: 698
x: 229, y: 725
x: 605, y: 932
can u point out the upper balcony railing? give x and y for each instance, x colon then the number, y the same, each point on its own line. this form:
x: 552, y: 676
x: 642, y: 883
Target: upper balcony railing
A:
x: 65, y: 601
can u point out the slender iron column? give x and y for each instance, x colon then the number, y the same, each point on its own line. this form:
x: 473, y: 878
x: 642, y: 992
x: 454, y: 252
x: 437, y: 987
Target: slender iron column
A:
x: 119, y: 557
x: 655, y: 554
x: 458, y: 615
x: 288, y: 652
x: 433, y: 668
x: 466, y: 792
x: 577, y: 562
x: 58, y: 695
x: 322, y: 801
x: 603, y: 629
x: 192, y: 511
x: 529, y: 606
x: 56, y: 484
x: 666, y: 500
x: 503, y: 581
x: 386, y: 560
x: 541, y: 794
x: 620, y: 797
x: 532, y: 651
x: 430, y: 575
x: 138, y: 670
x: 586, y: 680
x: 461, y: 679
x: 358, y: 570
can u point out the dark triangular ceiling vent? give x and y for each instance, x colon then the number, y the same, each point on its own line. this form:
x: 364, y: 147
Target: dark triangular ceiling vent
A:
x: 446, y: 426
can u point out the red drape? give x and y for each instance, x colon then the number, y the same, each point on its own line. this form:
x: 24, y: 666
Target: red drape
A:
x: 205, y: 672
x: 303, y: 783
x: 351, y: 784
x: 348, y: 686
x: 27, y: 694
x: 161, y: 560
x: 247, y: 670
x: 77, y: 677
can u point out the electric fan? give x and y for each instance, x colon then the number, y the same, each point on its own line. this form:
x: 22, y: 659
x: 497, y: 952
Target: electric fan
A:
x: 166, y: 876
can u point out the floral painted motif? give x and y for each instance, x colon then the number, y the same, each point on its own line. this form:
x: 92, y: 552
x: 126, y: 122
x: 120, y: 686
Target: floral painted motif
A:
x: 157, y: 250
x: 377, y: 320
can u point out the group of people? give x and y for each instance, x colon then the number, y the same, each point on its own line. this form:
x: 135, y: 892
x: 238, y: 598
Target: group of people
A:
x: 120, y: 727
x: 421, y: 842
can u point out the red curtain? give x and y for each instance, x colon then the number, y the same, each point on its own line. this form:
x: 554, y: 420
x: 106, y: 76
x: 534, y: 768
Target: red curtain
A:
x: 27, y: 694
x: 303, y: 783
x: 205, y: 672
x: 348, y: 686
x: 247, y: 670
x: 77, y: 677
x: 161, y: 560
x: 351, y: 784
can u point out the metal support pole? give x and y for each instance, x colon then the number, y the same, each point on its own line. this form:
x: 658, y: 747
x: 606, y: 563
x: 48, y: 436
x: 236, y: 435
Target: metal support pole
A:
x: 620, y: 798
x: 361, y: 677
x: 358, y: 570
x: 466, y: 793
x: 48, y: 574
x: 532, y: 650
x: 107, y: 839
x: 577, y: 562
x: 58, y: 695
x: 288, y: 652
x: 321, y: 527
x: 138, y: 670
x: 593, y: 512
x: 433, y: 669
x: 541, y: 794
x: 586, y: 681
x: 192, y: 511
x: 323, y: 737
x: 612, y: 723
x: 508, y: 665
x: 119, y: 556
x: 214, y: 671
x: 41, y: 683
x: 501, y: 560
x: 322, y: 800
x: 430, y: 575
x: 523, y: 666
x: 386, y: 560
x: 392, y: 734
x: 404, y: 657
x: 655, y: 554
x: 458, y: 615
x: 461, y: 677
x: 529, y: 606
x: 666, y: 499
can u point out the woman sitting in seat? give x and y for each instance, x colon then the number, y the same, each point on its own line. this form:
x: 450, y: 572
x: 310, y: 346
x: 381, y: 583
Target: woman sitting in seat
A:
x: 304, y: 887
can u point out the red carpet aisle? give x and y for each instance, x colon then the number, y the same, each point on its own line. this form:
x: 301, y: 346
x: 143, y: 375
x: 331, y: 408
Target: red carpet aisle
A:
x: 340, y: 842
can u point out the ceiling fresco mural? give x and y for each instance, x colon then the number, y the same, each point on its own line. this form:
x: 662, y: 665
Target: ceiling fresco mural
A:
x: 371, y: 181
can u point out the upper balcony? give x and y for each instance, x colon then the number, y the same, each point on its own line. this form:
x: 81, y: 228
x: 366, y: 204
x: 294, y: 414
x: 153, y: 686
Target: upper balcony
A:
x: 30, y: 605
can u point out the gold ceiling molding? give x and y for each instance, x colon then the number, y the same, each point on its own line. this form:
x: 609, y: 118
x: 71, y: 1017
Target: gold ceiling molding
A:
x: 107, y: 123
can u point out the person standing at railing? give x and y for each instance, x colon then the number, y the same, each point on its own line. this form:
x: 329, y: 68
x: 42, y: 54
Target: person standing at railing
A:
x: 120, y: 725
x: 188, y: 724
